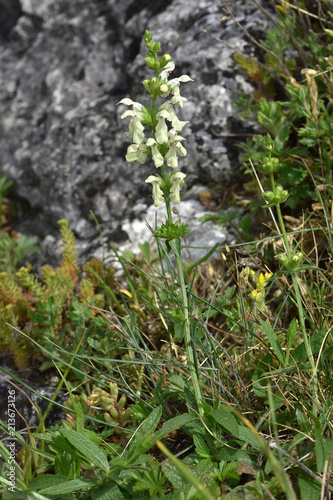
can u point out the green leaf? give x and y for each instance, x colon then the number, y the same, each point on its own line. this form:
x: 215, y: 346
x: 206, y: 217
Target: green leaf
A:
x: 226, y: 419
x: 145, y: 250
x: 200, y: 446
x: 87, y: 448
x: 316, y: 341
x: 144, y: 440
x: 247, y: 436
x: 309, y: 488
x: 176, y: 247
x: 323, y: 450
x: 63, y: 467
x: 46, y: 481
x: 273, y: 340
x: 107, y: 492
x: 174, y: 424
x: 68, y: 487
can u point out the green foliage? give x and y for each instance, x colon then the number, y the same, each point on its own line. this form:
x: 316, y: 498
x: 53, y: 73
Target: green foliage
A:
x: 260, y: 324
x: 299, y: 123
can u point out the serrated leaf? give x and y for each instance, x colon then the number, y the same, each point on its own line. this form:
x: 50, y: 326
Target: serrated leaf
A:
x: 63, y: 466
x: 69, y: 487
x: 174, y: 424
x: 87, y: 448
x: 200, y: 446
x: 46, y: 481
x: 247, y: 436
x: 226, y: 419
x: 108, y: 492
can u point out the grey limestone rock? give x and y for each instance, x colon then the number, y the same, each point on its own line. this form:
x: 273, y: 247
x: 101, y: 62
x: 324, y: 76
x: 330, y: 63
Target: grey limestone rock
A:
x: 65, y: 66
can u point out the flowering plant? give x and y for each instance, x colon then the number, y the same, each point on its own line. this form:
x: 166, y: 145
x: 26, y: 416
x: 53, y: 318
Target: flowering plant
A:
x: 164, y: 142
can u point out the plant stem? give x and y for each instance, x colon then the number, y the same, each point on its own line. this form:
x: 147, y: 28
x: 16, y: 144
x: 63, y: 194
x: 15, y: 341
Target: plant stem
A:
x: 187, y: 336
x: 166, y: 197
x: 176, y: 247
x: 294, y: 276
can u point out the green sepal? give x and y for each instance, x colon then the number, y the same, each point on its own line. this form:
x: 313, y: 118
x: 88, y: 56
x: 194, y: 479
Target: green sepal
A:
x: 148, y: 115
x: 171, y: 231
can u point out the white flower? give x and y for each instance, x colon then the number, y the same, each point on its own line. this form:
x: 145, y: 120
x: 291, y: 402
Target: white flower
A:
x: 175, y: 83
x: 135, y: 126
x: 177, y: 179
x: 161, y: 127
x: 157, y: 191
x: 175, y: 147
x: 157, y: 157
x: 178, y: 100
x: 137, y: 152
x: 167, y: 70
x: 172, y: 117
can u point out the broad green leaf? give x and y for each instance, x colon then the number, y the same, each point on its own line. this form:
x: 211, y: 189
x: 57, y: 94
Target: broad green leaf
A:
x: 309, y: 488
x: 200, y: 446
x: 69, y: 487
x: 228, y: 454
x: 144, y: 440
x: 323, y: 450
x: 247, y: 436
x: 226, y: 419
x: 273, y: 340
x: 63, y: 467
x: 87, y: 448
x: 302, y: 420
x: 46, y: 481
x: 174, y: 424
x: 316, y: 341
x: 107, y: 492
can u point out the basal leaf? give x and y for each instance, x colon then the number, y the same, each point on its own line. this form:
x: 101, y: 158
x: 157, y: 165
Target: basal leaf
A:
x: 226, y: 419
x: 87, y: 448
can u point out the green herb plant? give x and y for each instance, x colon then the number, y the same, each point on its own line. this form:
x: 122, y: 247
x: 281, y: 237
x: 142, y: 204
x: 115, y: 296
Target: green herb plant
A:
x: 164, y: 145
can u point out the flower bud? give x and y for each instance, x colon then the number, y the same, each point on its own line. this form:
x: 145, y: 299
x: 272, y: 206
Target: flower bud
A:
x: 257, y: 296
x: 147, y: 36
x: 164, y: 60
x: 164, y: 89
x: 280, y: 196
x: 150, y: 61
x: 271, y: 165
x: 291, y: 263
